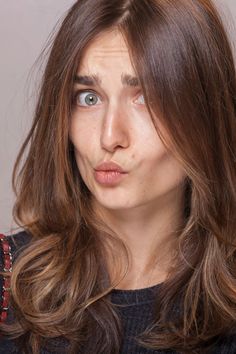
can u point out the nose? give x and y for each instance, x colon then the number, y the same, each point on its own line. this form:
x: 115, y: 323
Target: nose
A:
x: 115, y: 129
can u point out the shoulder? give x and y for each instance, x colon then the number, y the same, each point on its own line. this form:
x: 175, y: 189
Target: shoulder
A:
x: 13, y: 244
x: 10, y: 247
x: 226, y: 344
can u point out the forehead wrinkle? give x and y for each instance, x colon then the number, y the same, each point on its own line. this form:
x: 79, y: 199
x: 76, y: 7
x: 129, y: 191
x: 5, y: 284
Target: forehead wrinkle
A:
x: 102, y: 47
x: 117, y: 53
x: 111, y: 50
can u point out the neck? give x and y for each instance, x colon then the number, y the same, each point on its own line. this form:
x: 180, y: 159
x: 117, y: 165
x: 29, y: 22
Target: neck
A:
x: 150, y: 233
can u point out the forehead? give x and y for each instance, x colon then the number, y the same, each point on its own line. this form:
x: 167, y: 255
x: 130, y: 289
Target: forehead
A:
x: 108, y: 46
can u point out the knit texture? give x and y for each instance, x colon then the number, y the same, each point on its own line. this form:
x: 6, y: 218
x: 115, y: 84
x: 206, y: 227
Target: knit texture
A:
x: 136, y: 311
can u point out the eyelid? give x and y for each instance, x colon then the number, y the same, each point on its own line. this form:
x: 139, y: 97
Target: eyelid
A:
x: 76, y: 92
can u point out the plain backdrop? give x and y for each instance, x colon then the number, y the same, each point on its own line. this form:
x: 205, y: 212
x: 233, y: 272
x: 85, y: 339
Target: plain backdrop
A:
x: 25, y: 26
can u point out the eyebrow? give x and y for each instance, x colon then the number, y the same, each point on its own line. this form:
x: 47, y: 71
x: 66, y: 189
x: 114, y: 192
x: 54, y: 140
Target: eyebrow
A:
x: 95, y: 80
x: 92, y: 80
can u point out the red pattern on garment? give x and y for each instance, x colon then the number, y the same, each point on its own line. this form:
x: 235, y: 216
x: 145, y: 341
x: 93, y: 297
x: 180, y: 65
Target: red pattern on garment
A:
x: 7, y: 267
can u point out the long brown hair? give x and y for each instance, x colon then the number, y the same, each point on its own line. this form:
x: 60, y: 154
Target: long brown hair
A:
x: 60, y: 283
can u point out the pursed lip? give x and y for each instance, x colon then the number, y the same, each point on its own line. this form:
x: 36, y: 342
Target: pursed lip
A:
x: 110, y: 166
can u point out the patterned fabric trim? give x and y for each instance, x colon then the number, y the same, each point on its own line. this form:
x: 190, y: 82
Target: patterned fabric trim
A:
x: 7, y: 267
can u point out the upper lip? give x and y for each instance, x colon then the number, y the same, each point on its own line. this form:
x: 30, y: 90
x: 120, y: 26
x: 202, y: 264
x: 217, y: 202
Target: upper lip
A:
x: 109, y: 166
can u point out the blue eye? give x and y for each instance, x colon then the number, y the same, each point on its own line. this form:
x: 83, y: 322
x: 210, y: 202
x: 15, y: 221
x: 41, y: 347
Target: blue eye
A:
x: 86, y: 98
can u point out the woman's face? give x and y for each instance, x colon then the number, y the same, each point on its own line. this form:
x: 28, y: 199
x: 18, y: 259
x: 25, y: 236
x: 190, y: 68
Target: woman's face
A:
x: 110, y: 123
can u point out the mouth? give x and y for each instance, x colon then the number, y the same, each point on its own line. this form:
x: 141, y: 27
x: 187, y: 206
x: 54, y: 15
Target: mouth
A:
x: 118, y: 171
x: 109, y: 177
x: 109, y: 166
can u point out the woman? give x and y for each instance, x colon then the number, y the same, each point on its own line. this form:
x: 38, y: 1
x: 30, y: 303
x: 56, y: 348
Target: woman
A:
x: 127, y: 194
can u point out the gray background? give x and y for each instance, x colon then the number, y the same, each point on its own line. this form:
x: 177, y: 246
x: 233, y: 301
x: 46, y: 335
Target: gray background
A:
x: 25, y: 26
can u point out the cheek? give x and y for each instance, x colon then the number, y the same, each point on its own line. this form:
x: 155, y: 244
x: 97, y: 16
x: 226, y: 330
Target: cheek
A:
x: 82, y: 135
x: 170, y: 173
x: 160, y: 169
x: 153, y: 153
x: 84, y: 139
x: 160, y: 164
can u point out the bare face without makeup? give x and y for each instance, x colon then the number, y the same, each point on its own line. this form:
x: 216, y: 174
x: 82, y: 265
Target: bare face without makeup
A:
x: 110, y: 122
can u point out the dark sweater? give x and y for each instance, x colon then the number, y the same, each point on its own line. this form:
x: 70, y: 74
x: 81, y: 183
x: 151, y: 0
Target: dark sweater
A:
x: 136, y: 315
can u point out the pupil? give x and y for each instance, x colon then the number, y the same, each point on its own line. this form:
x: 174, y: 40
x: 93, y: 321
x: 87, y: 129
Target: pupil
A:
x: 90, y: 99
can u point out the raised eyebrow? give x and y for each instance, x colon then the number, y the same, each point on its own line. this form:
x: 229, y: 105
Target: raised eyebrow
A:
x: 129, y: 80
x: 87, y: 80
x: 95, y: 80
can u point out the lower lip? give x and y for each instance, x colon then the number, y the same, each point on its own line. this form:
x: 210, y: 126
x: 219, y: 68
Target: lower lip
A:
x: 109, y: 177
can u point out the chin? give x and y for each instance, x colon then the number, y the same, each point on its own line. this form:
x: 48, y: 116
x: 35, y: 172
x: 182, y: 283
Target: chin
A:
x: 114, y: 203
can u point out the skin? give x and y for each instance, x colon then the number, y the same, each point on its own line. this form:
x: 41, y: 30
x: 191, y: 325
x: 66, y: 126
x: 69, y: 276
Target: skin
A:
x: 147, y: 205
